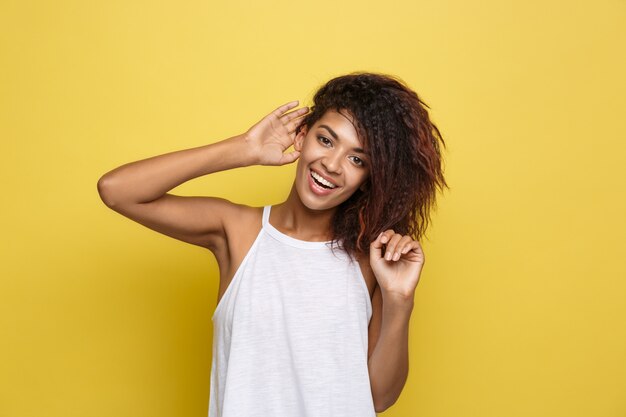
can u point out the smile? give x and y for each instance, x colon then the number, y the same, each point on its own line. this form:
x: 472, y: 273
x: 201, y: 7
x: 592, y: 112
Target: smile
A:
x: 321, y: 181
x: 319, y: 186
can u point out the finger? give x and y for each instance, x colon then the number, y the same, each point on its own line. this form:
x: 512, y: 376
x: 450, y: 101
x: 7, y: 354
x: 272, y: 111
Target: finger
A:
x: 414, y: 244
x: 415, y: 250
x: 384, y: 238
x: 391, y: 246
x: 402, y: 247
x: 289, y: 157
x: 291, y: 127
x: 386, y: 235
x: 416, y: 247
x: 282, y: 109
x: 407, y: 248
x: 376, y: 248
x: 294, y: 114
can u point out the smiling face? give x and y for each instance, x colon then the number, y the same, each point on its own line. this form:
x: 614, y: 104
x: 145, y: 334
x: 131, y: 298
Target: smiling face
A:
x: 332, y: 164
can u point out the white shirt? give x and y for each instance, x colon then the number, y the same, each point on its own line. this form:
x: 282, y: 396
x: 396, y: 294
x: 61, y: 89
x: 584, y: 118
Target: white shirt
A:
x: 290, y: 333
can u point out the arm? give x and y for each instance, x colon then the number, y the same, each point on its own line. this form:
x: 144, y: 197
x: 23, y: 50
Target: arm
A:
x: 138, y: 190
x: 389, y: 362
x: 397, y: 268
x: 149, y: 179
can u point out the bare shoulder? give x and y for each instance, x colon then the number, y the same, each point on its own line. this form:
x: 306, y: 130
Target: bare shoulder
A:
x: 242, y: 224
x: 237, y: 220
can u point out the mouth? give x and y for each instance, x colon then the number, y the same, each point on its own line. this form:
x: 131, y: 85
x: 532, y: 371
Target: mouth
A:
x: 320, y: 185
x: 321, y: 180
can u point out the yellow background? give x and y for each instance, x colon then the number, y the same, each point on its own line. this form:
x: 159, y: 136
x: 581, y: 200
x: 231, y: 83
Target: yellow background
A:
x: 521, y: 307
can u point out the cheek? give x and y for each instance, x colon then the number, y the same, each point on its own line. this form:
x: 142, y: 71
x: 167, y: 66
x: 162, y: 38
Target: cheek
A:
x: 360, y: 177
x: 363, y: 182
x: 302, y: 170
x: 310, y: 154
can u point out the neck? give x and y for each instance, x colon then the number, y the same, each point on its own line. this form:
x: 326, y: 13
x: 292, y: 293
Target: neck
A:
x: 299, y: 221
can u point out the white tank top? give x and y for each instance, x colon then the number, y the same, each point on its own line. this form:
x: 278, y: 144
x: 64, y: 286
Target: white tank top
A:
x: 290, y: 333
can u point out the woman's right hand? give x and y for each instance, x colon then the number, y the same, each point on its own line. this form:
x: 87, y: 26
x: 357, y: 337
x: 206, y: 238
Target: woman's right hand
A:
x: 273, y: 134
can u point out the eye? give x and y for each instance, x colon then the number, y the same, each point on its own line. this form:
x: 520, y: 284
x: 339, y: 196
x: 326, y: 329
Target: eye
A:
x: 324, y: 140
x: 358, y: 161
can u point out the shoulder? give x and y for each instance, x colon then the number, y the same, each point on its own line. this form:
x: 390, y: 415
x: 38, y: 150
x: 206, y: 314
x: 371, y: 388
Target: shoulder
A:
x: 241, y: 217
x: 229, y: 219
x: 241, y: 223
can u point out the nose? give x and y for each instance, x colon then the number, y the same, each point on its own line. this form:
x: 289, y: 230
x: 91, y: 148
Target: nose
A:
x: 332, y: 162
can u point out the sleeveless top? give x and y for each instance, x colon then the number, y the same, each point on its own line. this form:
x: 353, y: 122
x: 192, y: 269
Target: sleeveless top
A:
x: 290, y: 333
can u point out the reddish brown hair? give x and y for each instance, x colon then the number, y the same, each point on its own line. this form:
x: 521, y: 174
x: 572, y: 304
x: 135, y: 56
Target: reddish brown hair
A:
x: 403, y: 147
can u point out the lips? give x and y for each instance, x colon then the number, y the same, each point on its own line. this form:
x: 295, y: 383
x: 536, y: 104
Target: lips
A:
x: 325, y: 177
x: 317, y: 189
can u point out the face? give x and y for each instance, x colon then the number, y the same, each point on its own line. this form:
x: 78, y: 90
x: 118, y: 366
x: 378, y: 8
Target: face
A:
x: 330, y: 169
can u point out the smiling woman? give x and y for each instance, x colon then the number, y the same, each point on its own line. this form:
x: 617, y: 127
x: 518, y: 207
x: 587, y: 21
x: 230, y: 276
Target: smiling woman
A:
x: 332, y: 168
x: 382, y: 126
x: 298, y: 327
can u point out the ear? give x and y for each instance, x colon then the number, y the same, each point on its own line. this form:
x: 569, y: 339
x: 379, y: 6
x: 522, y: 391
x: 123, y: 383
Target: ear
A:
x: 299, y: 140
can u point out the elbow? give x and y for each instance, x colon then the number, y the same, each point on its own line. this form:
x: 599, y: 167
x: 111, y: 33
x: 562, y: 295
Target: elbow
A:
x: 385, y: 399
x: 104, y: 191
x: 381, y: 406
x: 380, y: 403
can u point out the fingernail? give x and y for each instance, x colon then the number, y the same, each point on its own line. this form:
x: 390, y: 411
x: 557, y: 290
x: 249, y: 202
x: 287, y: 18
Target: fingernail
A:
x: 388, y: 256
x: 384, y: 239
x: 396, y: 256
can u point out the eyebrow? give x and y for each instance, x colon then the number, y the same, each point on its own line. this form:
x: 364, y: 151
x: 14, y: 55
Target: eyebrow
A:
x: 359, y: 150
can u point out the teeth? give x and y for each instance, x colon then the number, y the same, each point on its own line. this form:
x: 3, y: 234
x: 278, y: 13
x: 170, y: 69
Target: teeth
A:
x: 322, y: 180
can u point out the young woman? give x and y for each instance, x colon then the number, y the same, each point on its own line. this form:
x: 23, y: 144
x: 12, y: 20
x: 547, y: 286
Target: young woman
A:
x: 316, y: 292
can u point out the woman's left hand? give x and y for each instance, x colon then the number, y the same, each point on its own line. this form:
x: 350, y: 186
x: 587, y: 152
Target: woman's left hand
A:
x: 398, y: 275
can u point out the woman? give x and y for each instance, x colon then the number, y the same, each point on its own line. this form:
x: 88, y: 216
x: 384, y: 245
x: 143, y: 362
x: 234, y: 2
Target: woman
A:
x: 315, y: 293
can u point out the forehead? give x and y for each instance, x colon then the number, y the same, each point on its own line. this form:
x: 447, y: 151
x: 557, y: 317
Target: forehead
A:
x: 342, y: 124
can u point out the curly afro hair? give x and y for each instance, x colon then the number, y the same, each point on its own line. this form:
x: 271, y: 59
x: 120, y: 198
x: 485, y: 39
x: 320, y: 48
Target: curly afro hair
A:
x: 403, y: 146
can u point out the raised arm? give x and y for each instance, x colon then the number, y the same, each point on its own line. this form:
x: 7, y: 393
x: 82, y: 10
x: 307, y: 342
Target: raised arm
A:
x: 139, y: 190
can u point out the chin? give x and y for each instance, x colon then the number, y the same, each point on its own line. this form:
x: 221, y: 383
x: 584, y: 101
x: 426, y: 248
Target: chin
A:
x: 314, y: 202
